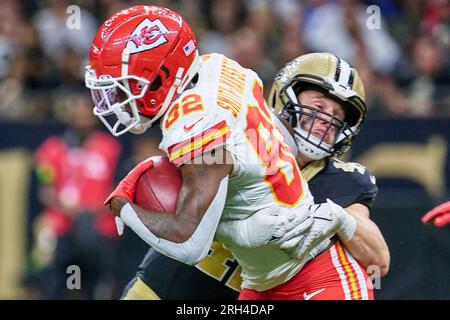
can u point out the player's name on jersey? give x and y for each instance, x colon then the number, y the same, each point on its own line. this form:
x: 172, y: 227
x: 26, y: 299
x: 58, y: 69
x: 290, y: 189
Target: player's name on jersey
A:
x: 230, y: 91
x: 225, y: 309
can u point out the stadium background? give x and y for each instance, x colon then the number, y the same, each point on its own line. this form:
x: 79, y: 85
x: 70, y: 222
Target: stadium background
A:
x: 404, y: 142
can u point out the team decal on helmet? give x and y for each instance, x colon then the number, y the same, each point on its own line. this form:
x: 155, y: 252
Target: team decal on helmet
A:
x: 147, y: 35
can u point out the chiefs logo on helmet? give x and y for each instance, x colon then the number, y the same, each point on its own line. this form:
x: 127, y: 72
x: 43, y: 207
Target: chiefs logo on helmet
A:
x: 149, y: 55
x: 147, y: 35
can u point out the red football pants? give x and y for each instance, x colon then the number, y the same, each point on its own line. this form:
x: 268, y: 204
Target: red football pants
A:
x: 333, y: 275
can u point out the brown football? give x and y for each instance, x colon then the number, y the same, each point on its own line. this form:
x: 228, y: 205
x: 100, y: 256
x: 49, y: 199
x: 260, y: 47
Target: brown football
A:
x: 158, y: 188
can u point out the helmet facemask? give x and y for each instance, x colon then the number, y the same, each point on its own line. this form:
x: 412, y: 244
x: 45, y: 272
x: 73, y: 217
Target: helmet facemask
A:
x: 302, y: 118
x: 113, y: 99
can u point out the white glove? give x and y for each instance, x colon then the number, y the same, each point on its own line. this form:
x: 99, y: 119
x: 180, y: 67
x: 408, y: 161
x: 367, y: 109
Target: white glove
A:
x: 328, y: 219
x: 346, y: 225
x: 264, y: 226
x: 317, y: 249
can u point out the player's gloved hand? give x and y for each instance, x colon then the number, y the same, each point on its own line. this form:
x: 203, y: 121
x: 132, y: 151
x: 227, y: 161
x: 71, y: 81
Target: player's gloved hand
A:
x: 264, y: 226
x: 127, y: 186
x: 439, y: 216
x: 328, y: 219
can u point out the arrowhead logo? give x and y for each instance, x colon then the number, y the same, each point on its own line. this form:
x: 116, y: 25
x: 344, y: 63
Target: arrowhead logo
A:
x: 147, y: 35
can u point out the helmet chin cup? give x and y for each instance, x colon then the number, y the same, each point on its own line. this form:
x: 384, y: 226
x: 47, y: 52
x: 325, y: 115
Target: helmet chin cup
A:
x: 309, y: 149
x: 123, y: 116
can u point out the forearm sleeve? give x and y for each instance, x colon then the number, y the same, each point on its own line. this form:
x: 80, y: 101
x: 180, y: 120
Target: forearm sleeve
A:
x: 197, y: 246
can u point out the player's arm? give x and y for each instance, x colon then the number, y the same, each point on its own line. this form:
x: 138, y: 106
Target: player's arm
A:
x: 186, y: 234
x: 353, y: 227
x: 367, y: 244
x: 200, y: 185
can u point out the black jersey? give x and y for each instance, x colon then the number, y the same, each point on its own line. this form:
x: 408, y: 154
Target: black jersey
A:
x: 345, y: 183
x: 217, y: 276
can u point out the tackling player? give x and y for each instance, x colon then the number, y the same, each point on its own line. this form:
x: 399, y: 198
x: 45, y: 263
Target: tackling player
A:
x: 322, y: 100
x: 339, y: 272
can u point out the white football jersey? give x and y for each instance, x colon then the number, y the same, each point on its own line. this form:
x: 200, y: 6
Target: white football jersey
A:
x: 226, y: 109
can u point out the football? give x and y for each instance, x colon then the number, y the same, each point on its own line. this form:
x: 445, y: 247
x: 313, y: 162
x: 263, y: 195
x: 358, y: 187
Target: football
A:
x: 157, y: 189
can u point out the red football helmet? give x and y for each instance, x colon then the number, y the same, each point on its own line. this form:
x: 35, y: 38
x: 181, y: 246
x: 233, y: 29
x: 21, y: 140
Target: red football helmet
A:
x: 141, y: 59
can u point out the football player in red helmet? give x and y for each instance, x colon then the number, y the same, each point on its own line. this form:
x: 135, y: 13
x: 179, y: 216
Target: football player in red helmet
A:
x: 241, y: 183
x: 141, y: 59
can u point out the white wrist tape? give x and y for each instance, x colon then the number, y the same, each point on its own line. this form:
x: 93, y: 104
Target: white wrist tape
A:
x: 347, y: 226
x: 197, y: 246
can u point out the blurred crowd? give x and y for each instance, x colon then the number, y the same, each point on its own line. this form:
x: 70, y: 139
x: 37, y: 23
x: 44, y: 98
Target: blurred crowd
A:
x: 402, y: 53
